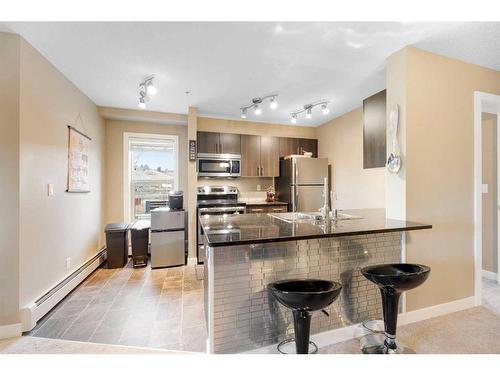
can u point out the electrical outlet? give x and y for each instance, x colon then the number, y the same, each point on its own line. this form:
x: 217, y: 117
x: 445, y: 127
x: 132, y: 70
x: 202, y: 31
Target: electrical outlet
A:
x: 68, y: 263
x: 258, y: 188
x: 50, y: 189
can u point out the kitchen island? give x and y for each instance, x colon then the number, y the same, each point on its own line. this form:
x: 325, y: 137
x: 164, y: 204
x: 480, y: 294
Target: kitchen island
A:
x: 247, y: 252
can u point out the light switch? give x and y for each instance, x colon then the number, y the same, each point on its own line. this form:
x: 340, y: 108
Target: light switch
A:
x: 258, y: 187
x: 50, y: 189
x: 485, y: 188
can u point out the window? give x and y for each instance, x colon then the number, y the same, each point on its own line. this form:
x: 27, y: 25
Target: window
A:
x: 153, y: 172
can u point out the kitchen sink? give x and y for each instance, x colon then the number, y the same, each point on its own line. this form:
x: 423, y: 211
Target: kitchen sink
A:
x: 292, y: 217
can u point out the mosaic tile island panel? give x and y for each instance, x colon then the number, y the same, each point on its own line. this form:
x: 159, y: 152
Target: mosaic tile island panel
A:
x: 242, y: 316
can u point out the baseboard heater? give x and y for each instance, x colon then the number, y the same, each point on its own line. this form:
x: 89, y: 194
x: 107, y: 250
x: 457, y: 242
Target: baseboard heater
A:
x: 31, y: 314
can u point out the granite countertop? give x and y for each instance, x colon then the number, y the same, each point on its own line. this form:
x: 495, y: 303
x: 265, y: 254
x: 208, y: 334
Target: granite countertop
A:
x: 262, y: 228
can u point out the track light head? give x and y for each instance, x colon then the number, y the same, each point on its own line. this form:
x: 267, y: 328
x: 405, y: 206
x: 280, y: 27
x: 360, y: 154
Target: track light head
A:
x: 273, y: 104
x: 243, y: 113
x: 150, y: 87
x: 142, y: 103
x: 308, y: 113
x: 293, y: 120
x: 325, y: 109
x: 257, y: 110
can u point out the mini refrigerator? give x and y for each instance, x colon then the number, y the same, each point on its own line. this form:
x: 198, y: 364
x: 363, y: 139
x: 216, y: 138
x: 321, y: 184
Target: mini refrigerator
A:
x: 168, y: 237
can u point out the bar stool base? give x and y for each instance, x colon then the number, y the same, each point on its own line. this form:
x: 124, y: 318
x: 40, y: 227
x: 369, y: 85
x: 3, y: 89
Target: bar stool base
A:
x: 283, y: 348
x: 374, y: 344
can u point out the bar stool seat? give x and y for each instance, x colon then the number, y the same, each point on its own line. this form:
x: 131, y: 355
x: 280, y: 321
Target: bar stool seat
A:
x: 392, y: 279
x: 303, y: 296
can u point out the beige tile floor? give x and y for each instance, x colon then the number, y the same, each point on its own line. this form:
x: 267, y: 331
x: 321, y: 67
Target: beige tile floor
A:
x: 161, y: 308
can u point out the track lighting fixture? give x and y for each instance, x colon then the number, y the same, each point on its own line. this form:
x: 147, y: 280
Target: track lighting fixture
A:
x: 308, y: 110
x: 146, y: 88
x: 256, y: 105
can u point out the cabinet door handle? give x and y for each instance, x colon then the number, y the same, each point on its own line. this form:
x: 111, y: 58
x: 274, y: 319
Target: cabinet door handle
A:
x: 221, y: 148
x: 216, y: 148
x: 261, y: 170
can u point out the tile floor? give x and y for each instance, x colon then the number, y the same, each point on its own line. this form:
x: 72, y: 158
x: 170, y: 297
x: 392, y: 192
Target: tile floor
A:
x: 161, y: 308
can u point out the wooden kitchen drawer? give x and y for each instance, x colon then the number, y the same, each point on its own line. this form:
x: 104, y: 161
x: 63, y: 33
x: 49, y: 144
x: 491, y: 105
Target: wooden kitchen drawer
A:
x: 266, y: 208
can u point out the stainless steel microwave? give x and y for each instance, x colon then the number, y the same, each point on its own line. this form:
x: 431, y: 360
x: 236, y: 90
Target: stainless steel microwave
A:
x: 218, y: 165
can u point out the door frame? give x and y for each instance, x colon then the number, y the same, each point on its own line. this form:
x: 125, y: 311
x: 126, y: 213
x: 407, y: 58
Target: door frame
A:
x: 127, y: 136
x: 490, y: 103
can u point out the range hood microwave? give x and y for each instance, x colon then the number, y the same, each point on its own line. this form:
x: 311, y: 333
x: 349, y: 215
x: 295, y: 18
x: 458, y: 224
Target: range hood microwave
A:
x: 218, y: 165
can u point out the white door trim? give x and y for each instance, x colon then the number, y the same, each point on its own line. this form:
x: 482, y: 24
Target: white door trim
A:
x: 126, y: 164
x: 483, y: 102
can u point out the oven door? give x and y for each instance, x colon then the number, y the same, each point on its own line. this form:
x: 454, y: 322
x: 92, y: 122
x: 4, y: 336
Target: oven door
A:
x: 215, y: 165
x: 212, y: 211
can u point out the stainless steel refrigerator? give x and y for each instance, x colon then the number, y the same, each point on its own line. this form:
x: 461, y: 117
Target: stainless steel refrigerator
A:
x: 168, y: 237
x: 301, y: 183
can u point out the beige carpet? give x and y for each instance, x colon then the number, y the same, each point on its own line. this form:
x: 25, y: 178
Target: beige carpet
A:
x: 37, y: 345
x: 472, y: 331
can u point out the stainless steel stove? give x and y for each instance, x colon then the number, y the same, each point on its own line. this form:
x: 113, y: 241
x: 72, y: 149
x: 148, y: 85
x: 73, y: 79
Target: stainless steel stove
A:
x: 215, y: 200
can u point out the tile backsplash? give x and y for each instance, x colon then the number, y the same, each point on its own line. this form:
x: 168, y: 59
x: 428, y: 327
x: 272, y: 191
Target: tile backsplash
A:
x: 247, y: 186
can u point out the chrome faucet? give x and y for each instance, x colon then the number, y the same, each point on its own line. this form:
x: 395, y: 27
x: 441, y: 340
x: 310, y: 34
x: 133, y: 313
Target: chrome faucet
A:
x: 325, y: 210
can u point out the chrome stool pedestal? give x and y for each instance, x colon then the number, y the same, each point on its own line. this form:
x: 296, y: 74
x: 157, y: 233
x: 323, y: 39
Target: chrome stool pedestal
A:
x: 392, y: 280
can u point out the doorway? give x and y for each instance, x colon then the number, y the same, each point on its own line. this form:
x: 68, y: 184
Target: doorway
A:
x: 486, y: 197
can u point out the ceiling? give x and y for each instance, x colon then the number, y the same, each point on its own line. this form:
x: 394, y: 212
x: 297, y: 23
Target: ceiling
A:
x: 223, y: 65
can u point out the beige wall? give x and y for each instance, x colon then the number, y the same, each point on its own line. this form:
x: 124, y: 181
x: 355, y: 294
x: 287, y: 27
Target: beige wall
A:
x: 256, y: 128
x: 341, y: 141
x: 114, y: 159
x: 9, y: 177
x: 490, y: 228
x: 436, y: 94
x: 63, y: 225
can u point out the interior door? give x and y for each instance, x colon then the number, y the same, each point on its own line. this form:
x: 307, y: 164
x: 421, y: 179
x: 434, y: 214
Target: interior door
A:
x: 250, y: 155
x: 308, y: 198
x: 230, y: 144
x: 208, y: 142
x: 269, y: 156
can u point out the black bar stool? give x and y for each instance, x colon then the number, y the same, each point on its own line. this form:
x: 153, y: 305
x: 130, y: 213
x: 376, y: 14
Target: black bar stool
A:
x: 392, y: 279
x: 304, y: 296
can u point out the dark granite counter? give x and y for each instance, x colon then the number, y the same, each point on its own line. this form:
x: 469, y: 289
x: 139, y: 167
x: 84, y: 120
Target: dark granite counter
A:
x: 262, y: 228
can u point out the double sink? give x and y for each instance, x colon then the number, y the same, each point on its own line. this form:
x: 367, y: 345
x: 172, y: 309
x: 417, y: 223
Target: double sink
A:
x: 293, y: 217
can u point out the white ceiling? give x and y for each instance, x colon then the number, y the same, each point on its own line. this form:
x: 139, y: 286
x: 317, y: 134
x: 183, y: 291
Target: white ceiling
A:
x: 224, y: 65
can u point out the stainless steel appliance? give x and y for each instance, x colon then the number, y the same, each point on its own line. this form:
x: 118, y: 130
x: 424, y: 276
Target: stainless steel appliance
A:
x: 168, y: 237
x: 215, y: 200
x: 218, y: 165
x: 301, y: 183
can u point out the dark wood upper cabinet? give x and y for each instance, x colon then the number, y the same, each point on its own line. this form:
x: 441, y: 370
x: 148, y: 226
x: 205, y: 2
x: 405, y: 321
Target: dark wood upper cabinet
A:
x: 269, y: 156
x: 219, y: 143
x: 308, y: 145
x: 296, y: 146
x: 250, y: 155
x: 289, y: 146
x: 208, y: 142
x: 374, y: 131
x: 230, y: 143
